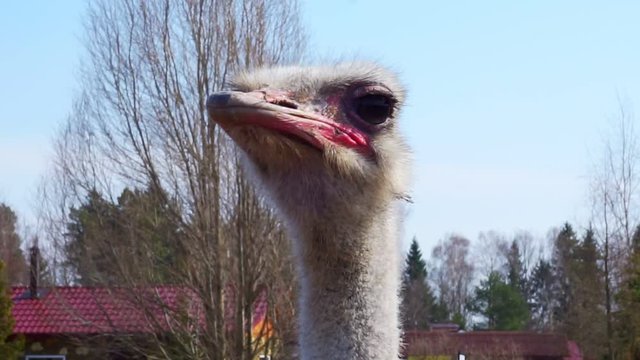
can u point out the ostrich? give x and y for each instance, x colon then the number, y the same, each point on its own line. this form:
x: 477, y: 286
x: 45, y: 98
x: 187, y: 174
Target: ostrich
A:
x: 323, y: 145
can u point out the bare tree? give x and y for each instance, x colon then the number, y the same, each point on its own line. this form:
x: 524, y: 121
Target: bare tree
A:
x: 453, y: 274
x: 140, y: 122
x: 621, y: 161
x: 490, y: 252
x: 614, y: 196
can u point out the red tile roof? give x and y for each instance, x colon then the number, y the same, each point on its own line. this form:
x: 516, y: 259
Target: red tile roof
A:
x: 100, y: 310
x: 93, y: 310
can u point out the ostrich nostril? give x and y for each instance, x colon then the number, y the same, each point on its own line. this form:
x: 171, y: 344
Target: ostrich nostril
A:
x: 285, y: 103
x: 218, y: 99
x: 278, y: 97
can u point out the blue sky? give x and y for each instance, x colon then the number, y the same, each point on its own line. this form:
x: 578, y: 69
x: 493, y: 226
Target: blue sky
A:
x: 507, y: 99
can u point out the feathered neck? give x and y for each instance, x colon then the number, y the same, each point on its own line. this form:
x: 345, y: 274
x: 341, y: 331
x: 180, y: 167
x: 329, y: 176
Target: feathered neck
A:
x: 350, y: 278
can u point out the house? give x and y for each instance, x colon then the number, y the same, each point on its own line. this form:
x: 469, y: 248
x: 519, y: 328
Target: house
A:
x: 82, y: 322
x: 90, y: 322
x: 446, y: 345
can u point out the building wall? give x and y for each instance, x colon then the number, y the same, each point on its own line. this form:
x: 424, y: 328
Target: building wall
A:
x: 73, y: 348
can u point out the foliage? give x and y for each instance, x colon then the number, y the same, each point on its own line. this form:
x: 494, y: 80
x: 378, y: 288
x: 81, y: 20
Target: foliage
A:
x: 138, y: 228
x: 585, y: 319
x: 415, y: 266
x: 516, y: 276
x: 460, y: 320
x: 542, y: 295
x: 11, y: 347
x: 628, y: 318
x: 140, y: 122
x: 564, y: 247
x: 10, y: 252
x: 418, y: 302
x: 500, y: 303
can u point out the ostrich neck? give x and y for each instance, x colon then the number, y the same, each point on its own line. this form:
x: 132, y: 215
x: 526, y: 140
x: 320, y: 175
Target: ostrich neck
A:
x: 349, y: 286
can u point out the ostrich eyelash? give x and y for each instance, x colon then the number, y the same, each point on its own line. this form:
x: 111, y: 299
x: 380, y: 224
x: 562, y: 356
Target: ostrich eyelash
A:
x: 405, y: 197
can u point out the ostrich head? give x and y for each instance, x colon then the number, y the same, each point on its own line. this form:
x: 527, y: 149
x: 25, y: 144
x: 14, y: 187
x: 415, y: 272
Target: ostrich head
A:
x: 319, y: 139
x: 323, y: 143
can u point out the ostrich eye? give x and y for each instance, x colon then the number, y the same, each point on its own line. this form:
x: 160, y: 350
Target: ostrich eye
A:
x: 375, y: 109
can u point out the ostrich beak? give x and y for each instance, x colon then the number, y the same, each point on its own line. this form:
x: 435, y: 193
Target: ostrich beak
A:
x: 272, y: 110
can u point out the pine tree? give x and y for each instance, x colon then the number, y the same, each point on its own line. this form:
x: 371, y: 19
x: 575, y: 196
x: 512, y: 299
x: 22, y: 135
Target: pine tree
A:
x: 635, y: 240
x: 500, y: 303
x: 10, y: 347
x: 415, y: 266
x: 542, y: 296
x: 628, y: 318
x: 15, y: 266
x: 515, y: 271
x: 563, y: 267
x: 139, y: 227
x: 418, y: 302
x: 586, y: 319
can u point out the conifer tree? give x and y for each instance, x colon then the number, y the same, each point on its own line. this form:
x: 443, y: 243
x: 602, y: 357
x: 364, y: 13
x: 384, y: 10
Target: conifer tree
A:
x: 501, y: 304
x: 586, y: 319
x: 563, y: 267
x: 418, y: 302
x: 415, y: 266
x: 11, y: 347
x: 628, y: 322
x: 15, y: 266
x: 515, y: 272
x: 542, y: 296
x: 138, y: 227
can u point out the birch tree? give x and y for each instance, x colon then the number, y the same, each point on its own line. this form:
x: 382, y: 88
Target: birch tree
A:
x: 140, y: 122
